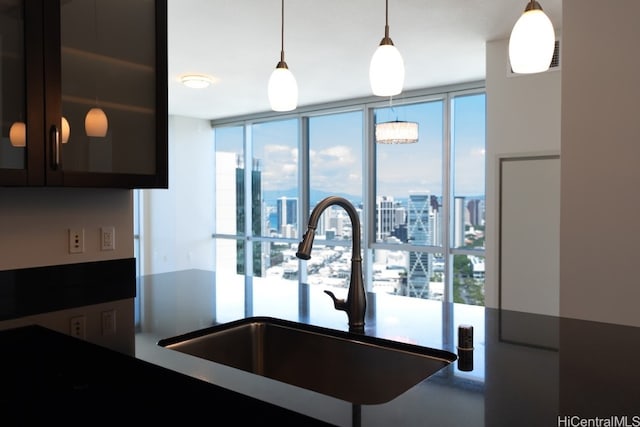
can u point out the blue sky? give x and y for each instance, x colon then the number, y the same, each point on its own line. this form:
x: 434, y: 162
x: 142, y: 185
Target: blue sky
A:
x: 336, y: 150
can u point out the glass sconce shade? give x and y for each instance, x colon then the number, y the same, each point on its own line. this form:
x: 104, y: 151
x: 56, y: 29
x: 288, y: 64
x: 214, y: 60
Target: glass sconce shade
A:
x: 282, y: 89
x: 18, y: 134
x: 386, y: 71
x: 66, y: 130
x: 96, y: 123
x: 397, y: 132
x: 532, y: 42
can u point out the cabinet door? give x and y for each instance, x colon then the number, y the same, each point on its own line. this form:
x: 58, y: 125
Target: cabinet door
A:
x: 108, y: 57
x: 13, y: 115
x: 106, y: 53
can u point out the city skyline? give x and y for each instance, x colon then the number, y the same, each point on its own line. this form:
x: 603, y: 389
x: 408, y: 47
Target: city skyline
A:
x: 332, y: 159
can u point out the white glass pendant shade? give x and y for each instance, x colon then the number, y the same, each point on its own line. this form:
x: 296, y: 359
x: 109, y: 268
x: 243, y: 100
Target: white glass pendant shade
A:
x: 386, y: 71
x: 66, y: 130
x: 96, y: 123
x: 531, y: 43
x: 397, y: 132
x: 18, y: 134
x: 282, y: 89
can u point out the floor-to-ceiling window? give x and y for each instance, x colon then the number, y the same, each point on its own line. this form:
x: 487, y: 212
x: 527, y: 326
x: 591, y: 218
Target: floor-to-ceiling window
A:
x: 468, y: 191
x: 335, y: 169
x: 410, y: 191
x: 421, y: 205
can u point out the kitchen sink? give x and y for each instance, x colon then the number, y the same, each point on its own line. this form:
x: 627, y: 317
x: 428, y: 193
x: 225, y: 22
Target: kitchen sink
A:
x: 357, y: 368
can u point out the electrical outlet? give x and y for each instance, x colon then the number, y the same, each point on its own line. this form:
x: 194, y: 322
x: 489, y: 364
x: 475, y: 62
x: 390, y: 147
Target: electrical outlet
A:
x: 76, y: 240
x: 78, y: 327
x: 108, y: 322
x: 108, y: 238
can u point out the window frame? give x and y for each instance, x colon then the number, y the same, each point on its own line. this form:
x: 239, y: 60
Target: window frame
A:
x: 367, y: 106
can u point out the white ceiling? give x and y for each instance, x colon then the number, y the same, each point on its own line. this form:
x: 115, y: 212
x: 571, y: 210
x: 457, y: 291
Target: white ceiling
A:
x: 328, y: 45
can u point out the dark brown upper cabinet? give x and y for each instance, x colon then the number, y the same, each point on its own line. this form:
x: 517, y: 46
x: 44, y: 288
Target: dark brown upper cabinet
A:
x: 59, y: 59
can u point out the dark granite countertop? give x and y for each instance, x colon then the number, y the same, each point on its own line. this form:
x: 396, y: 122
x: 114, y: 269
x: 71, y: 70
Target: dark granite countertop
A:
x: 49, y: 378
x: 527, y: 369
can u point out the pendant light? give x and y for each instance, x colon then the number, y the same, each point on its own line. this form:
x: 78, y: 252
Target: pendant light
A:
x: 386, y: 70
x: 532, y: 41
x: 396, y: 131
x: 282, y: 89
x: 18, y: 134
x: 95, y: 122
x: 66, y: 130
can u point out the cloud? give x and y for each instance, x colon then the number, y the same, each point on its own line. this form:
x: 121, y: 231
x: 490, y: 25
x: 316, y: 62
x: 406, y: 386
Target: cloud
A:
x: 336, y: 168
x: 279, y: 167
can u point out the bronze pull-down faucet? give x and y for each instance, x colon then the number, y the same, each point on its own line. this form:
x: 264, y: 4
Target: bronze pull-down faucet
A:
x: 356, y: 303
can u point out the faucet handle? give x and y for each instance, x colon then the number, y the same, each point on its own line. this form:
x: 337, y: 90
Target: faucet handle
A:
x: 339, y: 304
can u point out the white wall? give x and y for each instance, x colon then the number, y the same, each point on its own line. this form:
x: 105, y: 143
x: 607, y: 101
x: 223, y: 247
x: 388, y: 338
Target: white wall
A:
x: 523, y: 119
x: 600, y: 207
x: 34, y: 225
x: 33, y: 233
x: 178, y: 222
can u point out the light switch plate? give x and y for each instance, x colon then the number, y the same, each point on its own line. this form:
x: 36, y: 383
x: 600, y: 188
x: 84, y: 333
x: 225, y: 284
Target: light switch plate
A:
x: 108, y: 322
x: 108, y: 238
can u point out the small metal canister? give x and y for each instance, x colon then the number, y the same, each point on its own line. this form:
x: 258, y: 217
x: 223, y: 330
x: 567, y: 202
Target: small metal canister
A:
x: 465, y: 347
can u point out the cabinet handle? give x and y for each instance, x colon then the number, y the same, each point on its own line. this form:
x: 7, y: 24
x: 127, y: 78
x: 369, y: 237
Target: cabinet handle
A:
x: 55, y: 139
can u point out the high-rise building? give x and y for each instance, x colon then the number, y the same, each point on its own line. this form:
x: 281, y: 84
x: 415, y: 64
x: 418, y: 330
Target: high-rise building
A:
x: 475, y: 212
x: 419, y: 232
x: 435, y: 222
x: 287, y: 214
x: 256, y: 217
x: 459, y: 222
x: 385, y: 217
x: 226, y: 215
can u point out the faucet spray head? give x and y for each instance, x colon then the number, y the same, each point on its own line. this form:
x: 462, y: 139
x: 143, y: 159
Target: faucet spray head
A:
x: 305, y: 246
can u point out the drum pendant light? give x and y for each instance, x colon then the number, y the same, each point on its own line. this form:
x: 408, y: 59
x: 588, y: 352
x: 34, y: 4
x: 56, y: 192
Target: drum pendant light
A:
x: 396, y: 131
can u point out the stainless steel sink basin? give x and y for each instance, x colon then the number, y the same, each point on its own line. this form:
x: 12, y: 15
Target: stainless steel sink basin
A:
x: 357, y: 368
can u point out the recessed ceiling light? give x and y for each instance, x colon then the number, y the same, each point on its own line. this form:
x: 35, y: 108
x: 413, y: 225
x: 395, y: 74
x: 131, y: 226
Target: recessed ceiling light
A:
x: 196, y: 81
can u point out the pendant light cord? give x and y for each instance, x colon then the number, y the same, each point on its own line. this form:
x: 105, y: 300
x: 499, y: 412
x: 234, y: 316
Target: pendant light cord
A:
x: 393, y: 110
x: 386, y: 19
x: 96, y: 47
x: 386, y: 40
x: 282, y: 32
